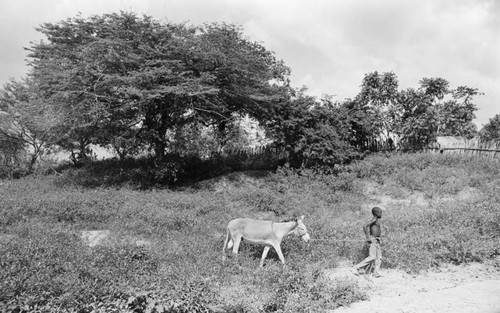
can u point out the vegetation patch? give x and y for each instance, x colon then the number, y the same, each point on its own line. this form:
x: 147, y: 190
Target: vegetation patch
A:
x: 46, y: 266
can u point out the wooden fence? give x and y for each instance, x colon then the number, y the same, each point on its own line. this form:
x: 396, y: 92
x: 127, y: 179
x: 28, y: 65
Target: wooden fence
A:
x: 267, y: 149
x: 487, y: 149
x: 443, y: 145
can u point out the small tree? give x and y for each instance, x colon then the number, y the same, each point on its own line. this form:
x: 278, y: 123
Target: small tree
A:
x: 454, y: 116
x: 491, y: 131
x: 462, y: 115
x: 416, y: 121
x: 373, y: 108
x: 455, y: 119
x: 423, y: 114
x: 29, y: 118
x: 315, y: 134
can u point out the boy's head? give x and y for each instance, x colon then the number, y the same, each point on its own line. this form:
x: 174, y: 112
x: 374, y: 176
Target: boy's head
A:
x: 376, y: 211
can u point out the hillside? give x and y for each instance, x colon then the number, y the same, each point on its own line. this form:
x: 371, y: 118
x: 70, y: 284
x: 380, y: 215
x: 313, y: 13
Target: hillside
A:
x: 69, y: 248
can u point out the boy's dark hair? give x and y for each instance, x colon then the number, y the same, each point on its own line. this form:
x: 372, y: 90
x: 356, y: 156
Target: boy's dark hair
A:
x: 377, y: 211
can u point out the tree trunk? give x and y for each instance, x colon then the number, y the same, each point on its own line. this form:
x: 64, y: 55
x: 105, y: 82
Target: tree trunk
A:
x: 160, y: 149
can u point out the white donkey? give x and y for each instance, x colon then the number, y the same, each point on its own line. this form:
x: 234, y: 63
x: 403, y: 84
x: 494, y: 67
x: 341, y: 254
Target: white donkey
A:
x: 267, y: 233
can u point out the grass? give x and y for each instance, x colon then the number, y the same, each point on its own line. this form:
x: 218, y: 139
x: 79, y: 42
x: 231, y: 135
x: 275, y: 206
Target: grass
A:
x: 45, y: 266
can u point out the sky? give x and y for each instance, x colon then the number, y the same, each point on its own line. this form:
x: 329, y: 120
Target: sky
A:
x: 329, y: 44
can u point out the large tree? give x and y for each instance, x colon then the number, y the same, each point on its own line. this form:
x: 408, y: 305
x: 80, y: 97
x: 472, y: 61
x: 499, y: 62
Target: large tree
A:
x: 121, y: 77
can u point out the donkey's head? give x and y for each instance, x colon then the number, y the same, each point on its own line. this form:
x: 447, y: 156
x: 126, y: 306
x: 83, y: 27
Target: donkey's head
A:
x: 301, y: 229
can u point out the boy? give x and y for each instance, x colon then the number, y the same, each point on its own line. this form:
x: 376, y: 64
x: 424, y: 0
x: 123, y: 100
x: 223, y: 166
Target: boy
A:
x: 372, y: 232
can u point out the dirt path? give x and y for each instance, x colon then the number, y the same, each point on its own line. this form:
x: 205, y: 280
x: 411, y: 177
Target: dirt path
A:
x: 457, y: 289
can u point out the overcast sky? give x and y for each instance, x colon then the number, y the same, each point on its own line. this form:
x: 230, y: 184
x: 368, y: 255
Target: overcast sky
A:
x: 329, y: 44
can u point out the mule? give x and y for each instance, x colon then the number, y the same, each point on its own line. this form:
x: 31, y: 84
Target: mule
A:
x: 267, y: 233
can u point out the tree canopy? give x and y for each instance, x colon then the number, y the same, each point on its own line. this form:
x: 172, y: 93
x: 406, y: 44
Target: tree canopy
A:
x: 120, y: 76
x: 138, y: 84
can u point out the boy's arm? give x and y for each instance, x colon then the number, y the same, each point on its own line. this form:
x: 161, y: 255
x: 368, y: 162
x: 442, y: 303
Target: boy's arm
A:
x: 366, y: 228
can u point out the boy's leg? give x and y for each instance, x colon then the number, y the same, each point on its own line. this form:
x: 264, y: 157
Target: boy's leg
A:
x: 372, y: 256
x: 378, y: 260
x: 369, y: 268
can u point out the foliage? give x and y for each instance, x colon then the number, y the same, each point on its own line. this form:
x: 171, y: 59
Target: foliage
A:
x: 376, y: 100
x: 120, y: 78
x: 417, y: 121
x: 139, y: 86
x: 27, y: 121
x: 421, y: 115
x: 456, y: 117
x: 136, y: 84
x: 12, y: 156
x: 415, y: 116
x: 438, y: 236
x: 316, y: 135
x: 491, y: 131
x: 434, y: 87
x: 378, y: 90
x: 173, y: 171
x: 370, y: 113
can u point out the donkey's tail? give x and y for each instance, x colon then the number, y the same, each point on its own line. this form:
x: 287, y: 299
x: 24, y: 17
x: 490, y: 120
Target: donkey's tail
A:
x: 225, y: 244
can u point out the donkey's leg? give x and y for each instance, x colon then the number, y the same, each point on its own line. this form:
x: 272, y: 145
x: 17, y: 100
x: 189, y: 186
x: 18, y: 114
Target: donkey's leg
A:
x: 236, y: 244
x: 280, y: 254
x: 264, y: 255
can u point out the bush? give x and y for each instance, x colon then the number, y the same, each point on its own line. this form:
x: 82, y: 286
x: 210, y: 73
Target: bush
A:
x: 174, y: 171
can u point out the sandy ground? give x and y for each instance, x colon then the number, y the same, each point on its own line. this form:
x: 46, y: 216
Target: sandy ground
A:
x: 458, y: 289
